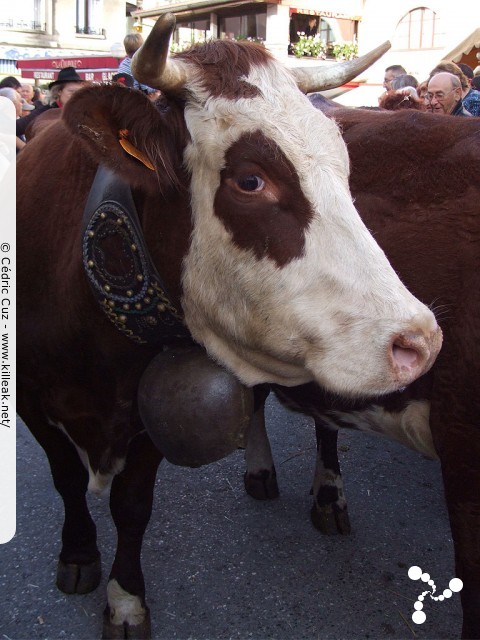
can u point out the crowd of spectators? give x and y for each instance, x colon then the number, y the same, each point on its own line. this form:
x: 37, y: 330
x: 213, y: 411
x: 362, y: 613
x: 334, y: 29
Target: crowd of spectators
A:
x: 450, y: 89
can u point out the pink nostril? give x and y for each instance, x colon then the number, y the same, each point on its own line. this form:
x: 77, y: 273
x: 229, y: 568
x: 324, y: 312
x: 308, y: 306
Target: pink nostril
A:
x: 404, y: 357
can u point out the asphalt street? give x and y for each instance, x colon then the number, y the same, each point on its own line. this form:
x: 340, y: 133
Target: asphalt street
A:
x: 219, y: 565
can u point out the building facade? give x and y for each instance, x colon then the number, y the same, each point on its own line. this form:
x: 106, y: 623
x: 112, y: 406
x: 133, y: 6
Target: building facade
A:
x: 422, y: 33
x: 277, y: 23
x: 55, y: 28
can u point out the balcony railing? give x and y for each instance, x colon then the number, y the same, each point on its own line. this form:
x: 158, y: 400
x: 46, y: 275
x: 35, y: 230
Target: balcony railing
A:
x: 12, y: 24
x: 90, y: 31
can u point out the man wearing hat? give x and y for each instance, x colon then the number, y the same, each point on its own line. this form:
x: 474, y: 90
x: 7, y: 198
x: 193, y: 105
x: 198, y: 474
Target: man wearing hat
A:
x: 63, y: 88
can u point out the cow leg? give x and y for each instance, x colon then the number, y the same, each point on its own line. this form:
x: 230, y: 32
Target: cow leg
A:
x: 260, y: 478
x: 126, y: 615
x: 79, y: 566
x: 329, y: 511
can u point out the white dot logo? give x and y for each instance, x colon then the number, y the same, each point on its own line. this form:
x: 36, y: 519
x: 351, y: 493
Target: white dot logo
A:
x: 415, y: 573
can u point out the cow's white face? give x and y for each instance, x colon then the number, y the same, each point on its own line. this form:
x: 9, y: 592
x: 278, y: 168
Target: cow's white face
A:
x: 283, y: 283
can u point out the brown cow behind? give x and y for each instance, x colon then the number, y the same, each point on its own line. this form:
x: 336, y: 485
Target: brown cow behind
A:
x: 416, y: 182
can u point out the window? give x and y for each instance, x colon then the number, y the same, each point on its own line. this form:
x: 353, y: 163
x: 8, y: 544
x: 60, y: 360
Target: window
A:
x: 326, y: 33
x: 89, y: 17
x: 192, y: 31
x: 303, y: 23
x: 25, y: 15
x: 419, y: 29
x: 249, y: 25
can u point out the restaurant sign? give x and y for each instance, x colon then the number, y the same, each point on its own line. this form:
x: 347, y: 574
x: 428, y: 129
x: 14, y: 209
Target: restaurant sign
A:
x: 93, y: 75
x: 89, y: 68
x: 324, y: 14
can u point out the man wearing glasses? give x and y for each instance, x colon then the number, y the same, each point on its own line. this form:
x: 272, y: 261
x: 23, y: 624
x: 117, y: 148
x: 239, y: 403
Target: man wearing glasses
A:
x: 444, y: 95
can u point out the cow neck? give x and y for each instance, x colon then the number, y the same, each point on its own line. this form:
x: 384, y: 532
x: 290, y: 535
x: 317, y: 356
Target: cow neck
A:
x: 121, y: 274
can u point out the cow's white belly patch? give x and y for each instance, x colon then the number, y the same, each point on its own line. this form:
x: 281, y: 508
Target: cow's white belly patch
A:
x: 410, y: 426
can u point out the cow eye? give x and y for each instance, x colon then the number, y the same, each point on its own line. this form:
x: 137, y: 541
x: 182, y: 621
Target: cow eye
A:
x: 251, y: 183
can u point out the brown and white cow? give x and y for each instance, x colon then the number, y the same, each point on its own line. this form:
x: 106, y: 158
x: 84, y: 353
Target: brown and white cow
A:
x: 416, y: 182
x: 241, y: 188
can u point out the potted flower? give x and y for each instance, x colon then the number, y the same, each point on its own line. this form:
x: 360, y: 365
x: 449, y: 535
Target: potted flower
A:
x: 345, y: 50
x: 311, y: 46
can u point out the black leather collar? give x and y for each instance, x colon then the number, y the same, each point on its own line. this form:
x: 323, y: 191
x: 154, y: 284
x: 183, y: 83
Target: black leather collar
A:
x: 121, y: 274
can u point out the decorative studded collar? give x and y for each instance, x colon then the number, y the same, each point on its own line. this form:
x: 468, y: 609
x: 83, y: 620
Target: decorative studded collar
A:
x: 119, y: 269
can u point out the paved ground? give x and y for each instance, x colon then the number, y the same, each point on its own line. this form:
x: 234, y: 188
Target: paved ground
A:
x: 222, y: 566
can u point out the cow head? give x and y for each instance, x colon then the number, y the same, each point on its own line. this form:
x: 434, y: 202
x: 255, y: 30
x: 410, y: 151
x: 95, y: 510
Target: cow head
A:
x: 281, y: 281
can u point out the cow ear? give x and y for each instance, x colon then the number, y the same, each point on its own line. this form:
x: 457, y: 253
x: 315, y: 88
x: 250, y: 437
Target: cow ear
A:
x: 123, y: 130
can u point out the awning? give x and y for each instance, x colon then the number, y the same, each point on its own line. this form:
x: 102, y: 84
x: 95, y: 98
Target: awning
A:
x: 193, y: 7
x: 92, y: 68
x: 473, y: 41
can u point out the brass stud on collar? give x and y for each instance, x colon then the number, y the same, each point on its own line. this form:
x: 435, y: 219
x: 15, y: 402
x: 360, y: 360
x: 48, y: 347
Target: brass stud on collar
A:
x: 147, y: 300
x: 126, y: 306
x: 107, y: 287
x: 138, y: 306
x: 129, y: 293
x: 91, y: 263
x: 111, y: 304
x: 122, y: 319
x: 103, y: 215
x: 161, y: 307
x: 140, y: 277
x: 91, y: 234
x: 150, y: 291
x: 134, y: 247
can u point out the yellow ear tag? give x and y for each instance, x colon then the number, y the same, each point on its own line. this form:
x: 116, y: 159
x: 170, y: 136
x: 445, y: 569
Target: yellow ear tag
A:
x: 133, y: 151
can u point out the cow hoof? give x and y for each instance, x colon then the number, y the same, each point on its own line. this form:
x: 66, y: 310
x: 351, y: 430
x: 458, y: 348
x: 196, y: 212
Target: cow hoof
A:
x: 262, y: 485
x: 78, y: 578
x: 330, y: 520
x: 125, y: 631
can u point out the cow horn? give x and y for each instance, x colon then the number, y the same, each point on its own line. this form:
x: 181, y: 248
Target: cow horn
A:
x: 310, y: 79
x: 151, y: 64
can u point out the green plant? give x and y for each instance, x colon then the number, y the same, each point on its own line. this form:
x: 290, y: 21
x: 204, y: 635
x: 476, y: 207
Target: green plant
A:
x: 311, y: 46
x: 345, y: 50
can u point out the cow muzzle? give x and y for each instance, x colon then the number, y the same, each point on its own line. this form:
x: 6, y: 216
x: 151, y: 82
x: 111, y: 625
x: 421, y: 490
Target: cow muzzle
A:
x: 413, y: 353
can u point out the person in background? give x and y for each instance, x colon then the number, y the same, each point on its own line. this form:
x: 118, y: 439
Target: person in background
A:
x: 10, y: 82
x: 27, y: 108
x: 14, y: 96
x: 26, y: 91
x: 470, y: 100
x: 63, y: 88
x: 405, y: 80
x: 476, y: 83
x: 392, y: 72
x: 38, y: 97
x: 132, y: 43
x: 445, y: 94
x: 312, y: 27
x: 422, y: 89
